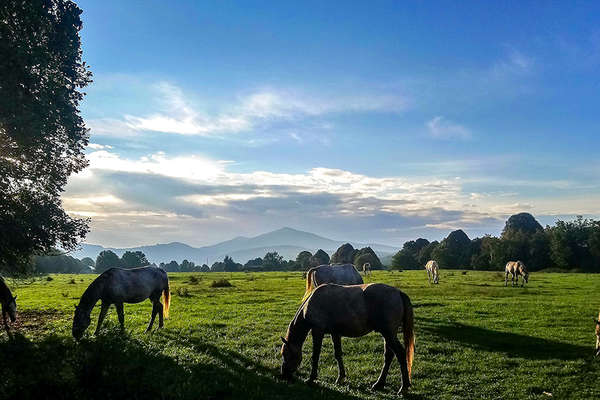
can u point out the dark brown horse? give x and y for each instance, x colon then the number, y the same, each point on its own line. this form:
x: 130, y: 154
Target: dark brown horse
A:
x: 352, y: 311
x: 9, y: 305
x: 117, y: 286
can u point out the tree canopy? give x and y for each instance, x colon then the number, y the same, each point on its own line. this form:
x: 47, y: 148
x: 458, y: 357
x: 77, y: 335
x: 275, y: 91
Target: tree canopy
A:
x: 42, y: 134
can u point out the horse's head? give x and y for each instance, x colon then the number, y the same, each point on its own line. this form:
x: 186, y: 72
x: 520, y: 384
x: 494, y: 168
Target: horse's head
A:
x: 81, y: 321
x: 526, y: 276
x: 292, y: 357
x: 11, y: 309
x: 597, y: 336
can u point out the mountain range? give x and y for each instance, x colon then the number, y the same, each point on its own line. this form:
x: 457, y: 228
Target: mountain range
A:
x: 287, y: 242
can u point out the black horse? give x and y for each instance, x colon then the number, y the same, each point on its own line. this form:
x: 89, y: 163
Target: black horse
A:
x: 9, y: 305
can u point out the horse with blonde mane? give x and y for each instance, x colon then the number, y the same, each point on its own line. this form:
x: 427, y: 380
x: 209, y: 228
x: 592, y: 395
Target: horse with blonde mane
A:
x: 516, y: 268
x: 342, y: 274
x: 117, y: 286
x: 352, y: 311
x: 433, y: 271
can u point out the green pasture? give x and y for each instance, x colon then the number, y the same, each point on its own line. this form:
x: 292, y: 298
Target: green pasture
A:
x: 476, y: 339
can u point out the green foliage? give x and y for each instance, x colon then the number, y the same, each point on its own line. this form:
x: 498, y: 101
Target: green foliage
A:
x: 414, y: 254
x: 522, y: 223
x: 88, y: 262
x: 134, y: 259
x: 42, y: 135
x: 273, y: 260
x: 343, y: 255
x: 319, y: 258
x: 107, y: 259
x: 367, y: 255
x: 58, y: 264
x: 454, y: 251
x: 303, y: 260
x: 220, y: 283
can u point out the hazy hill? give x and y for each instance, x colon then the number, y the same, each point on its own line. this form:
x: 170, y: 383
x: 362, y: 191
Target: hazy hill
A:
x: 286, y: 241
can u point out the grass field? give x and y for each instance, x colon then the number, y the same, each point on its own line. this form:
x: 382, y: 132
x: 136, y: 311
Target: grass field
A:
x: 476, y: 339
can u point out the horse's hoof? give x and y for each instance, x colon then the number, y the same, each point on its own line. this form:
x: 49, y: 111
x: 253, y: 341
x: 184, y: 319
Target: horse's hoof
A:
x: 377, y: 386
x: 403, y: 391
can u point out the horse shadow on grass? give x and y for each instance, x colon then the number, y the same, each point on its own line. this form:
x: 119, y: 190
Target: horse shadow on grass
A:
x: 513, y: 344
x: 115, y: 365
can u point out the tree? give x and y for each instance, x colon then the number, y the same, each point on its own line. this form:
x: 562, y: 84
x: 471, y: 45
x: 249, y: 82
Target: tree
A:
x: 254, y: 263
x: 344, y: 254
x: 319, y: 258
x: 273, y: 260
x: 171, y: 266
x: 230, y: 265
x: 303, y: 260
x: 523, y: 223
x: 88, y: 262
x: 367, y: 255
x: 204, y: 268
x: 454, y: 251
x: 187, y: 266
x: 134, y: 259
x: 107, y: 259
x: 42, y: 134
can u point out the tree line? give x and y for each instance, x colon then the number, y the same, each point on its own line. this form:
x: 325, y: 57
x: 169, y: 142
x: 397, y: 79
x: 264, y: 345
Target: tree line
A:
x: 568, y: 245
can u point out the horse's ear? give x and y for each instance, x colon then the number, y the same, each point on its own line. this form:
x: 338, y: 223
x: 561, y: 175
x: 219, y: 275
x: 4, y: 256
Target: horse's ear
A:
x: 284, y: 340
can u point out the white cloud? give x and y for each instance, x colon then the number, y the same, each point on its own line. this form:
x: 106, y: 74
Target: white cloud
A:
x: 179, y: 115
x: 441, y: 128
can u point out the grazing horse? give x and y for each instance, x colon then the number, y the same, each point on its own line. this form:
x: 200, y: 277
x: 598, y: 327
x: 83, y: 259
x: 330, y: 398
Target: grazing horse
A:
x: 344, y: 274
x: 597, y: 335
x: 366, y: 269
x: 9, y: 305
x: 117, y: 286
x: 433, y: 271
x: 516, y: 268
x: 352, y: 311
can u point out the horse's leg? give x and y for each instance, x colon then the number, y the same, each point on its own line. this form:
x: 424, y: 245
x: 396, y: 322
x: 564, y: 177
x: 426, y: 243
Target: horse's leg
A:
x: 388, y: 357
x: 159, y: 307
x: 154, y: 311
x: 6, y: 325
x: 317, y: 337
x: 337, y: 352
x: 401, y: 355
x: 505, y: 278
x: 103, y: 311
x: 428, y: 276
x: 119, y: 307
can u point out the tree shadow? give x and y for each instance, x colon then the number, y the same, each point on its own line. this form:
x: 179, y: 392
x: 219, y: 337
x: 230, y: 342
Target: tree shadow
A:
x: 115, y: 365
x: 514, y: 345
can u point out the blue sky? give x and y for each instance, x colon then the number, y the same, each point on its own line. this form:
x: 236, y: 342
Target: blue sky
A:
x: 377, y: 122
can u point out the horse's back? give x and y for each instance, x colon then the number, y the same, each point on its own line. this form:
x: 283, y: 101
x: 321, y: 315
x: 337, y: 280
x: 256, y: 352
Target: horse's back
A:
x: 345, y: 274
x: 133, y: 285
x: 431, y: 265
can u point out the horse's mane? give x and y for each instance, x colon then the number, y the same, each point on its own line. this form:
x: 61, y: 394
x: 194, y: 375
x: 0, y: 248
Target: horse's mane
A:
x: 92, y: 293
x: 296, y: 316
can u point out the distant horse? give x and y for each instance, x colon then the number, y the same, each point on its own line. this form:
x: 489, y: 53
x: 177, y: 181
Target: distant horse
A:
x: 352, y: 311
x: 344, y: 274
x: 117, y: 286
x: 597, y: 335
x: 9, y: 305
x: 516, y: 268
x: 366, y: 269
x: 433, y: 271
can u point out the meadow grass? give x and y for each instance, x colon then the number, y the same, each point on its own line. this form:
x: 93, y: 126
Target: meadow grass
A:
x: 476, y: 339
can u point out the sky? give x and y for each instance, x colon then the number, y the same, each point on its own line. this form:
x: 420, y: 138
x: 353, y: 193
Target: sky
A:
x: 375, y: 122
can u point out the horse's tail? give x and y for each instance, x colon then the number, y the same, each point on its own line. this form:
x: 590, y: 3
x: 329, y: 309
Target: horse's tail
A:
x: 166, y: 300
x: 309, y: 283
x: 409, y: 332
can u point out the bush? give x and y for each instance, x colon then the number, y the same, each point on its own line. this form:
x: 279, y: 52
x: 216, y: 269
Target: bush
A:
x: 72, y: 281
x: 194, y: 280
x: 183, y: 292
x: 49, y: 278
x: 220, y: 283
